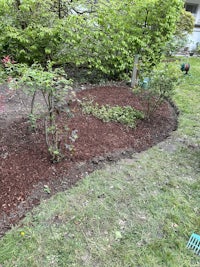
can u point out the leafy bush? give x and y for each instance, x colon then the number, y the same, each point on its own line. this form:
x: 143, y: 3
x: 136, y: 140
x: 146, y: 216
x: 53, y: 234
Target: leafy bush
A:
x: 55, y: 89
x: 161, y: 84
x: 125, y: 115
x: 101, y: 35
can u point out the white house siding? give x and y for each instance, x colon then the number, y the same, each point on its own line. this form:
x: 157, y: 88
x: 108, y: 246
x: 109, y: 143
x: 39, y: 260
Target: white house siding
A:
x: 195, y: 36
x: 194, y: 39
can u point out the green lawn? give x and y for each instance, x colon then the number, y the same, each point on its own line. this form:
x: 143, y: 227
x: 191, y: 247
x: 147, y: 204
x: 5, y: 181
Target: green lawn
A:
x: 138, y: 212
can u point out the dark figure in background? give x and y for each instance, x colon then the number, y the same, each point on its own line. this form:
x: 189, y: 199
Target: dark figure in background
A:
x: 185, y: 67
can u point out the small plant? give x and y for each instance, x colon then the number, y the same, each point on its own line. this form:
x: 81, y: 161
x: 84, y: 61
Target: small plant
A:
x: 72, y: 138
x: 55, y: 89
x: 47, y: 189
x: 33, y: 121
x: 7, y: 65
x: 7, y: 61
x: 125, y: 115
x: 161, y: 84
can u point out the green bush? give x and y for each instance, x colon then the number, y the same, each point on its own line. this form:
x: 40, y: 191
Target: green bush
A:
x: 55, y: 88
x: 161, y: 85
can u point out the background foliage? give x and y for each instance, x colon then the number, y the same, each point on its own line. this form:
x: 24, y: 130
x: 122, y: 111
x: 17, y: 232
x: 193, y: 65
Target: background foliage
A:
x: 104, y: 36
x: 185, y: 26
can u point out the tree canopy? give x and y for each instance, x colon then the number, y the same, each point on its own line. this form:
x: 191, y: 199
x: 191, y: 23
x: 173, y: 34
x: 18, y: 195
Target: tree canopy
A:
x: 104, y: 35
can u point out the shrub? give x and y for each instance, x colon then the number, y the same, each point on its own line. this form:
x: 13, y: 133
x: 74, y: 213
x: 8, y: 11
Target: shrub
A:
x: 55, y: 89
x: 161, y: 84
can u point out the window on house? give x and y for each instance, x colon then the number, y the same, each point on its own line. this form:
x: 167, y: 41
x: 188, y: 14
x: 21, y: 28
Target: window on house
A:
x: 191, y: 8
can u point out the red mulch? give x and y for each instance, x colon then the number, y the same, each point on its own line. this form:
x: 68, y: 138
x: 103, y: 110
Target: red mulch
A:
x: 24, y: 163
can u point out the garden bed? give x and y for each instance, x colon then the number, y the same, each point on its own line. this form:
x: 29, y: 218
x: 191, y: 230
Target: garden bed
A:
x: 27, y: 175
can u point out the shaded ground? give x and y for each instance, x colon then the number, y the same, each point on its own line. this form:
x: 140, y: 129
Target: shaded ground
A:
x: 24, y: 164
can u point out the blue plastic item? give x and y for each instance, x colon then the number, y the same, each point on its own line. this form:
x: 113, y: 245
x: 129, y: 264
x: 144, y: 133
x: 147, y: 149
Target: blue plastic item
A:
x: 194, y: 243
x: 145, y: 83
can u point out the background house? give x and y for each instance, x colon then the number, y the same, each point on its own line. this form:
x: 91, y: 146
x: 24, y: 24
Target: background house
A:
x: 193, y: 6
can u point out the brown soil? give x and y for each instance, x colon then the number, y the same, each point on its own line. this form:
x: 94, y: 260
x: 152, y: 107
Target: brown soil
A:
x: 24, y: 162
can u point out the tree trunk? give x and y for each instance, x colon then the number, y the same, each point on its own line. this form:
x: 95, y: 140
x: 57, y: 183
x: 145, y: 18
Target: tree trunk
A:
x: 135, y: 70
x: 18, y: 3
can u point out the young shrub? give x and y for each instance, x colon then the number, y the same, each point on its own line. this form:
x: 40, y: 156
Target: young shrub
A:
x: 161, y: 84
x: 55, y: 89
